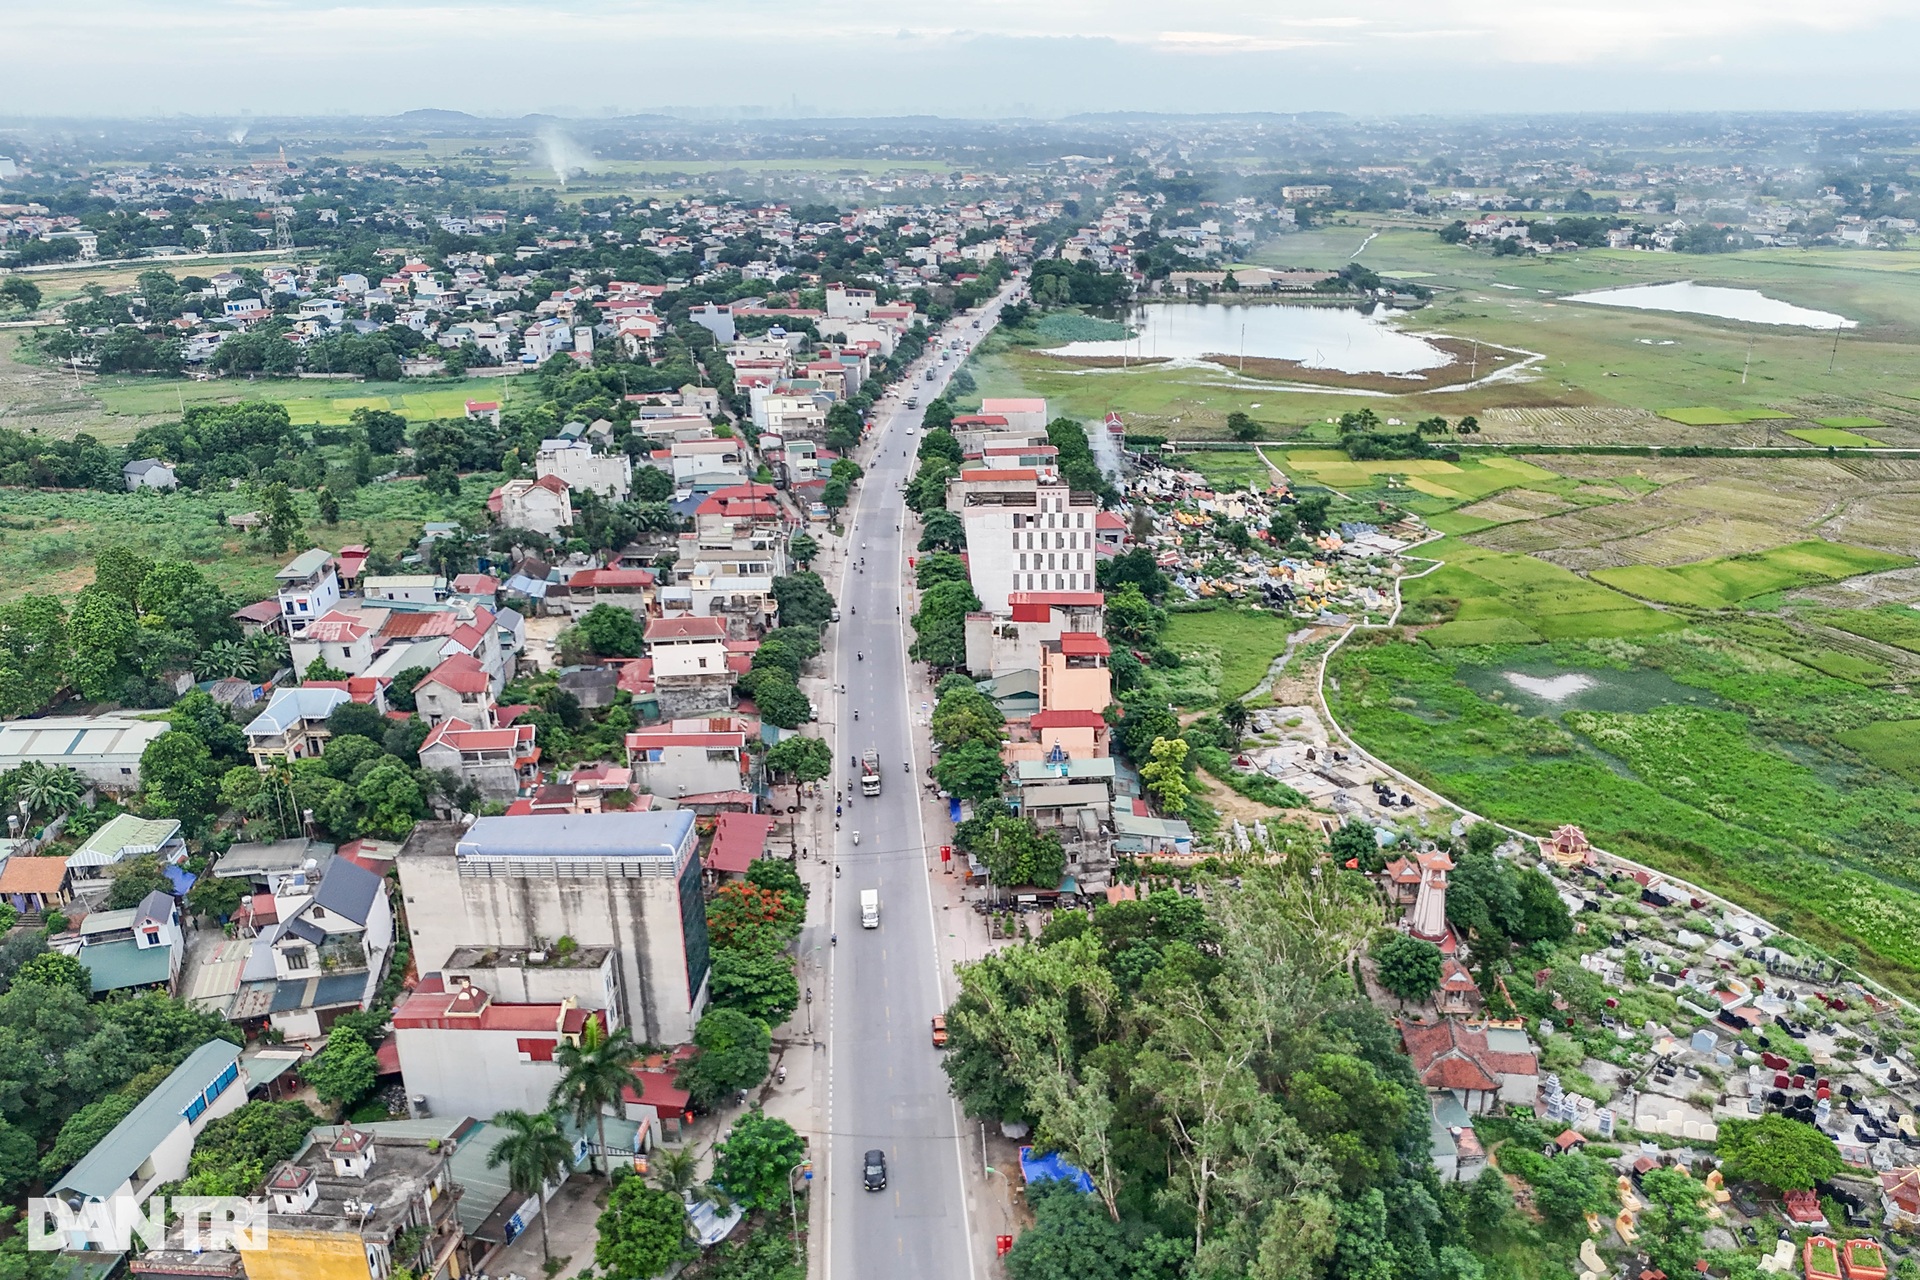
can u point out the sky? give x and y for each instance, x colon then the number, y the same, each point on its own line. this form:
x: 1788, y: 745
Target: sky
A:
x: 991, y: 58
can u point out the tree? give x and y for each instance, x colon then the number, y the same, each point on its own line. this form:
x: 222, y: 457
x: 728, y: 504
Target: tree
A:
x: 612, y: 632
x: 535, y: 1153
x: 34, y: 654
x: 966, y: 715
x: 1242, y: 427
x: 181, y: 778
x: 344, y: 1071
x: 1778, y: 1151
x: 800, y: 758
x: 1017, y: 852
x: 1572, y: 1185
x: 229, y: 659
x: 833, y: 494
x: 1354, y: 1114
x: 972, y: 771
x: 940, y: 625
x: 329, y: 507
x: 642, y: 1231
x: 803, y: 549
x: 119, y: 571
x: 941, y: 530
x: 235, y: 1152
x: 594, y: 1075
x: 385, y: 430
x: 102, y: 632
x: 20, y: 292
x: 760, y: 984
x: 1672, y: 1223
x: 1311, y: 511
x: 1165, y: 774
x: 49, y: 790
x: 1409, y: 967
x: 54, y: 969
x: 218, y: 897
x: 133, y: 880
x: 734, y: 1052
x: 1133, y: 619
x: 390, y: 800
x: 282, y: 518
x: 1235, y: 716
x: 1137, y: 566
x: 754, y: 1160
x: 751, y: 917
x: 941, y: 566
x: 320, y: 669
x: 358, y: 720
x: 804, y: 600
x: 780, y: 700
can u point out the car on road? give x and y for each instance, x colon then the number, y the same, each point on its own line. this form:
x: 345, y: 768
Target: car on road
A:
x: 939, y: 1032
x: 874, y: 1170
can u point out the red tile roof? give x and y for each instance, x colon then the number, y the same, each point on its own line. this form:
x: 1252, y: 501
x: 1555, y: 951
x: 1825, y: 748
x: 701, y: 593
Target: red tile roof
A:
x: 1449, y: 1051
x: 26, y: 874
x: 644, y: 739
x: 1084, y: 644
x: 988, y: 473
x: 460, y: 673
x: 738, y: 838
x: 611, y: 579
x: 1067, y: 720
x: 476, y: 584
x: 412, y: 626
x: 686, y: 628
x: 656, y: 1089
x: 263, y: 611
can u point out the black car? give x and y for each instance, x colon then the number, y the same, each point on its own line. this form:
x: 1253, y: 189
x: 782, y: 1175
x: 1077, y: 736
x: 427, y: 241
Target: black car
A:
x: 874, y: 1169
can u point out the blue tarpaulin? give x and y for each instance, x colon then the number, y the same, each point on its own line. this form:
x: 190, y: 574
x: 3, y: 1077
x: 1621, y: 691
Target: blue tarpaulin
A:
x: 953, y: 809
x: 1052, y: 1168
x: 180, y: 878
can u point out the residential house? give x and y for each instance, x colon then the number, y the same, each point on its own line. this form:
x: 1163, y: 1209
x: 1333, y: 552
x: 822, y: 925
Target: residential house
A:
x: 408, y: 588
x: 343, y: 640
x: 608, y: 474
x: 691, y: 672
x: 583, y: 976
x: 627, y: 881
x: 500, y: 762
x: 149, y: 473
x: 739, y: 839
x: 543, y: 506
x: 29, y: 884
x: 705, y: 466
x: 1074, y: 674
x: 1484, y: 1068
x: 695, y: 757
x: 151, y: 1145
x: 457, y: 689
x: 121, y: 837
x: 293, y: 726
x: 462, y: 1052
x: 743, y: 521
x: 354, y: 1205
x: 1052, y: 792
x: 308, y: 590
x: 104, y: 749
x: 1080, y: 735
x: 136, y: 948
x: 324, y: 957
x: 630, y: 589
x: 1023, y: 414
x: 1023, y: 534
x: 740, y: 592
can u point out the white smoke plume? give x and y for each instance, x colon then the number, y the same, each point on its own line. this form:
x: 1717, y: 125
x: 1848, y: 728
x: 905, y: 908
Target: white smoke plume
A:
x: 238, y: 136
x: 564, y: 156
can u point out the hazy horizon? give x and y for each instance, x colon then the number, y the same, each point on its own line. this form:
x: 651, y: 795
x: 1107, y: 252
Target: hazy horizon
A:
x: 587, y: 58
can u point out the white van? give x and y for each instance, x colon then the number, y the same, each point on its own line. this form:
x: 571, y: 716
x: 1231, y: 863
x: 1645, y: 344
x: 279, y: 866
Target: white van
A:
x: 869, y: 908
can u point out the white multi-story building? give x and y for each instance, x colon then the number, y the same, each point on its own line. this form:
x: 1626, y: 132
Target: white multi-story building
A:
x: 608, y: 474
x: 309, y: 588
x: 1024, y: 533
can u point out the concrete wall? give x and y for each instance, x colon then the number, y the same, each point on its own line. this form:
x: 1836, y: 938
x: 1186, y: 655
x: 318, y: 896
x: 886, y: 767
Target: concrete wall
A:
x: 593, y: 987
x: 692, y: 696
x: 640, y: 918
x: 474, y: 1072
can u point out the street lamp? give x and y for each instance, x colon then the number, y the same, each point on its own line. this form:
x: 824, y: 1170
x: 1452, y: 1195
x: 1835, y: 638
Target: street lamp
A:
x: 793, y: 1205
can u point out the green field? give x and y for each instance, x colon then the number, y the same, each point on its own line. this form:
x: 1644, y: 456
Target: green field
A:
x: 1834, y: 438
x: 48, y: 539
x: 1487, y: 597
x: 1894, y: 625
x: 1724, y: 581
x: 1850, y: 424
x: 1708, y: 416
x: 1247, y: 640
x: 1452, y: 482
x: 308, y: 403
x: 1594, y: 356
x: 1891, y: 744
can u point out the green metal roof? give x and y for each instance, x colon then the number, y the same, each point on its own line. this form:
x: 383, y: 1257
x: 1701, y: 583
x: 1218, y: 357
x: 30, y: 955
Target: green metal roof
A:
x: 115, y: 1157
x: 116, y: 966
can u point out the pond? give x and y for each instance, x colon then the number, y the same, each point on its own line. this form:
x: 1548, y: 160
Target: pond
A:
x: 1747, y: 305
x: 1545, y: 689
x: 1338, y: 338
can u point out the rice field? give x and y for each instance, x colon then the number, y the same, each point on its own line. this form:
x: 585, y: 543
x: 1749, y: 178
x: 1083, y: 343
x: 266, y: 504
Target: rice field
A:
x: 1707, y: 415
x: 1894, y: 745
x: 1724, y: 581
x: 1835, y: 438
x: 1485, y: 597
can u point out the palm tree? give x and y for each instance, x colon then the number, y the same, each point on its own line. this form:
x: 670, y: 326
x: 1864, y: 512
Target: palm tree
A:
x: 228, y: 659
x: 535, y: 1153
x: 48, y: 788
x: 270, y: 651
x: 595, y: 1075
x: 1235, y: 716
x: 677, y: 1170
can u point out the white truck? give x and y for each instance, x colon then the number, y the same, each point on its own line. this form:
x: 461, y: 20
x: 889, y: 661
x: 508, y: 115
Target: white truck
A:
x: 869, y: 908
x: 870, y: 773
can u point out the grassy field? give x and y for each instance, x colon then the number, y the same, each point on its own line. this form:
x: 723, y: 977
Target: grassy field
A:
x: 1707, y: 416
x: 1724, y: 581
x: 1835, y: 438
x: 1487, y: 597
x: 1736, y: 779
x: 48, y: 539
x: 1593, y: 356
x: 1893, y: 625
x: 1247, y: 640
x: 1891, y: 744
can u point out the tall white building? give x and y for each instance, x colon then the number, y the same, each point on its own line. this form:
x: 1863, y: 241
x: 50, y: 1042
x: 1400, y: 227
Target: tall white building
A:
x: 608, y: 474
x: 1024, y: 533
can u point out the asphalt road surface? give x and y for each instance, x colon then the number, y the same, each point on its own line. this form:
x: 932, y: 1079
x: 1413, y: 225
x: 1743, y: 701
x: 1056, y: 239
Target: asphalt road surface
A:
x: 885, y: 1085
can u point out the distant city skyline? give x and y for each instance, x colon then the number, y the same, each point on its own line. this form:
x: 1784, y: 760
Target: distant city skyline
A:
x: 995, y: 59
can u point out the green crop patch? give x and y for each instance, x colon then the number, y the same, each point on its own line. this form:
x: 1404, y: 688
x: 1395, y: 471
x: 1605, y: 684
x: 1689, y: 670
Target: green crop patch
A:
x: 1460, y: 634
x: 1835, y: 438
x: 1892, y: 744
x: 1707, y: 415
x: 1540, y: 599
x: 1850, y: 424
x: 1724, y: 581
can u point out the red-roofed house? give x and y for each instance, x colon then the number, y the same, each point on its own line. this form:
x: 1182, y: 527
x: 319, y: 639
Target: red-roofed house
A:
x: 458, y: 689
x: 482, y: 586
x: 690, y: 672
x: 1109, y: 530
x: 368, y: 690
x: 1083, y: 735
x: 261, y: 616
x: 630, y: 589
x: 1000, y: 644
x: 1459, y: 1058
x: 743, y: 521
x: 1073, y: 673
x: 498, y: 761
x: 689, y: 757
x: 350, y: 563
x: 1402, y: 879
x: 342, y: 639
x: 655, y: 1098
x: 466, y: 1054
x: 738, y: 838
x: 540, y: 506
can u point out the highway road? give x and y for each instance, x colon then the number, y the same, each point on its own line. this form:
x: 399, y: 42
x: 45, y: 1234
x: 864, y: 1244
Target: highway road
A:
x: 885, y: 1087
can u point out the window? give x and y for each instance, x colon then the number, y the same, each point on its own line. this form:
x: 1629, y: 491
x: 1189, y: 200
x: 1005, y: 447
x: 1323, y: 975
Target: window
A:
x: 222, y: 1082
x: 296, y: 957
x: 195, y: 1109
